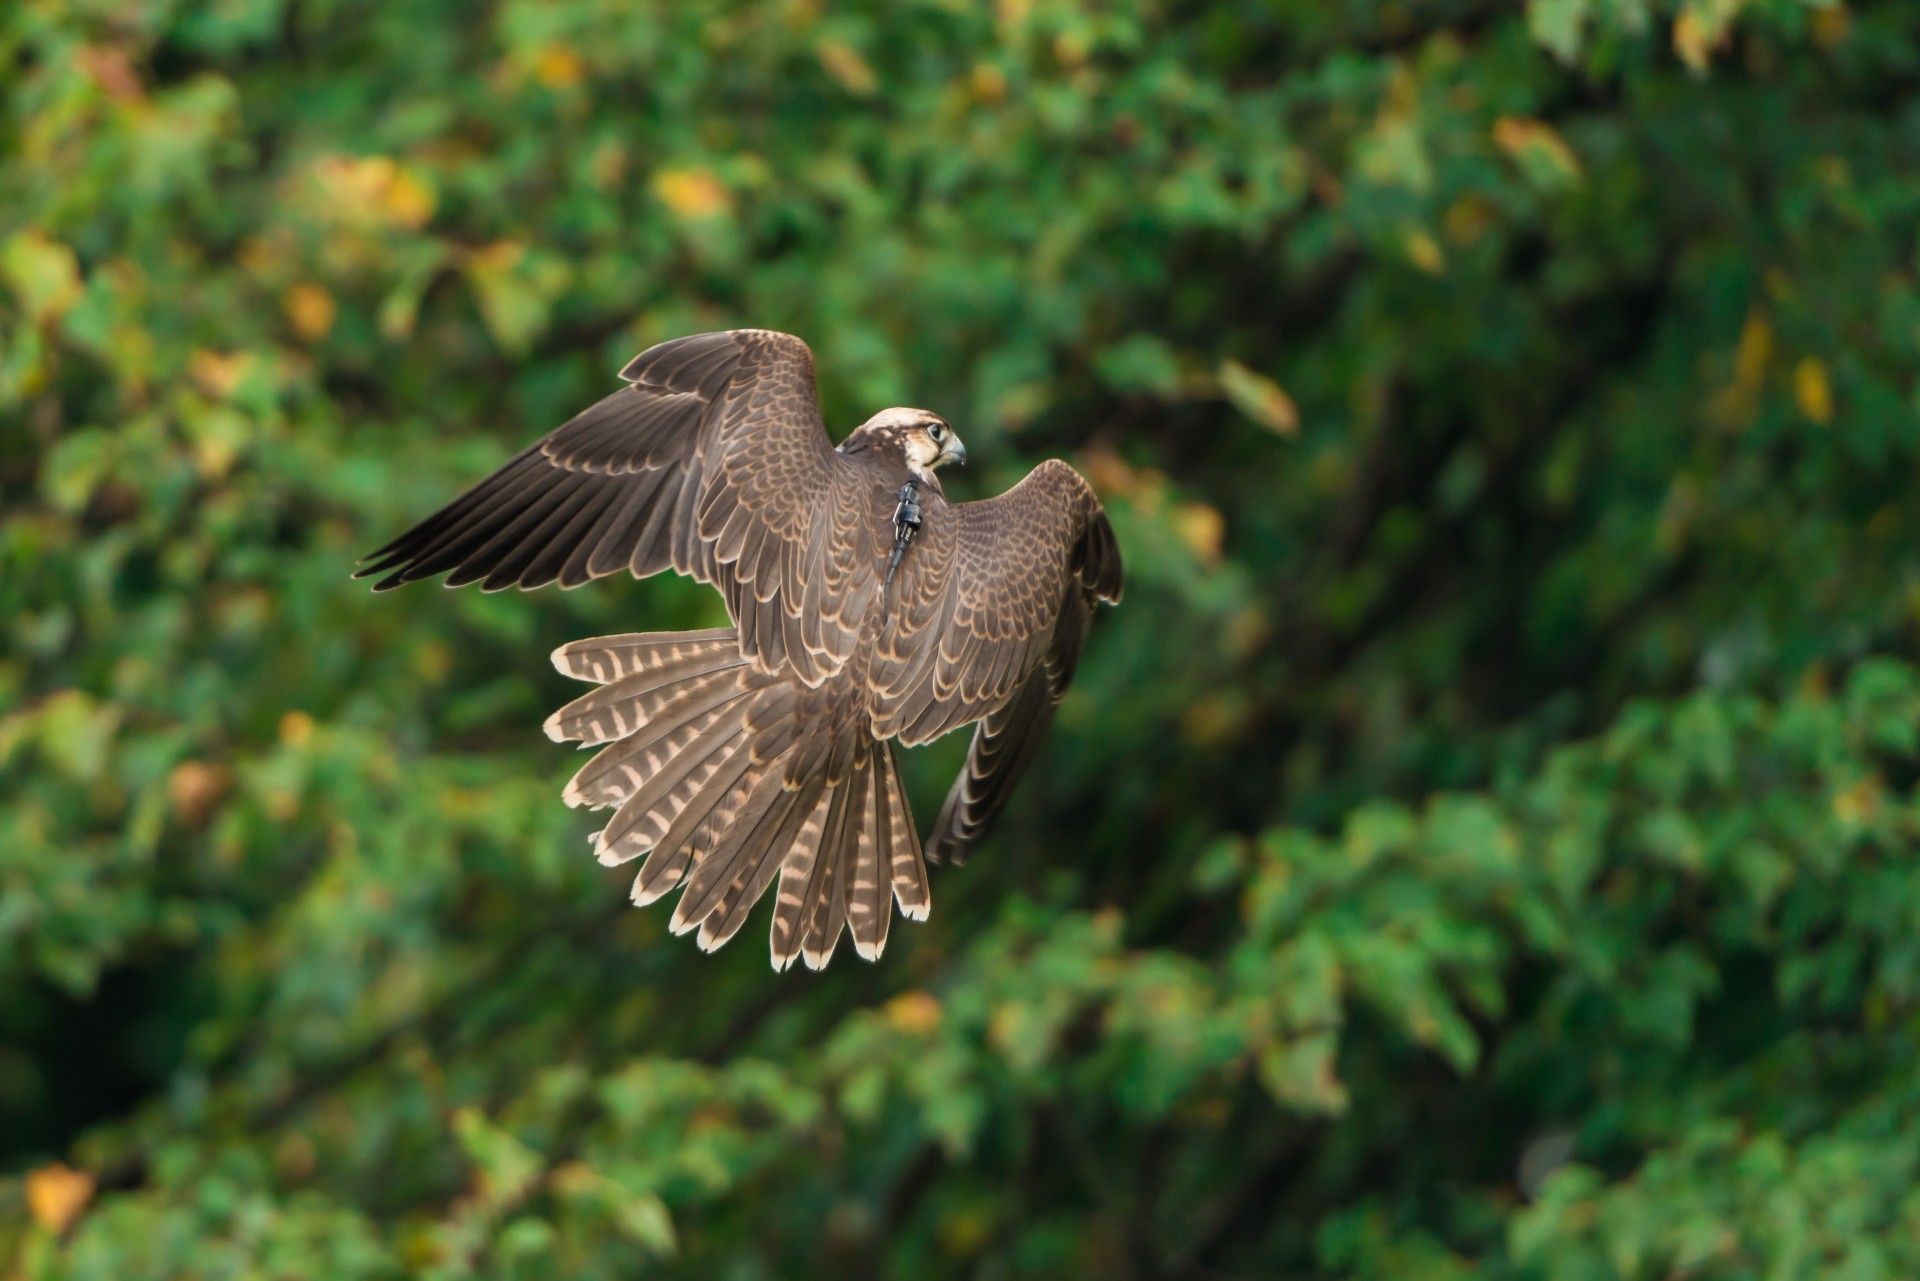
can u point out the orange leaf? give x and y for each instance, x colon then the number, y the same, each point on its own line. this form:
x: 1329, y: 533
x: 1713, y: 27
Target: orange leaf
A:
x: 195, y: 787
x: 914, y: 1013
x: 310, y: 309
x: 559, y: 67
x: 57, y: 1194
x: 1202, y: 528
x: 692, y: 194
x: 1524, y: 138
x: 219, y: 373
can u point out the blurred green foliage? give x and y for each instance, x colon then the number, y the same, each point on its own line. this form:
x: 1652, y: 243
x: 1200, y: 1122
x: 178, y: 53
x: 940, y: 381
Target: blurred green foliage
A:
x: 1483, y: 844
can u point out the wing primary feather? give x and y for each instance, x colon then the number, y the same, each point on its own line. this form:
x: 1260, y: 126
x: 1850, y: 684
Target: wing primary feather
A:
x: 515, y: 550
x: 401, y: 547
x: 445, y: 544
x: 488, y: 545
x: 568, y: 542
x: 585, y: 562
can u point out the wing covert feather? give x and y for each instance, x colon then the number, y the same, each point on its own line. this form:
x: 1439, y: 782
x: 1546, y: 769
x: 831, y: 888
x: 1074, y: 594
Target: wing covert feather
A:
x: 980, y: 597
x: 714, y: 461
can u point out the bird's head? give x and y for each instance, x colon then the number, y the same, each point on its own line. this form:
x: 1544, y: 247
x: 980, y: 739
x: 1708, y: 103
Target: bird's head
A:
x: 923, y: 438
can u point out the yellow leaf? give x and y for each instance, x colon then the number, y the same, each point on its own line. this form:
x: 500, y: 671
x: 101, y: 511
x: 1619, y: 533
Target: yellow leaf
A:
x: 608, y: 165
x: 1213, y: 719
x: 219, y: 373
x: 1425, y: 253
x: 1816, y: 683
x: 433, y: 660
x: 374, y: 189
x: 1811, y: 390
x: 847, y: 67
x: 1260, y: 398
x: 353, y: 183
x: 57, y: 1194
x: 691, y: 193
x: 408, y: 202
x: 294, y: 1158
x: 1693, y: 41
x: 43, y: 273
x: 989, y: 84
x: 1536, y: 142
x: 1201, y: 527
x: 914, y: 1013
x: 964, y: 1232
x: 296, y: 729
x: 558, y: 67
x: 310, y: 309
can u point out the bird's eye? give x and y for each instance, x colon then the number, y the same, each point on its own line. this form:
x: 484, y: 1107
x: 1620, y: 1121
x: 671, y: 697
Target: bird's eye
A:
x: 938, y: 431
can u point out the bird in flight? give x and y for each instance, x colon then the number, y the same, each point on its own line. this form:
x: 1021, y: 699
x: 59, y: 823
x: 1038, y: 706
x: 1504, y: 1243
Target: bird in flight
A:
x: 866, y: 610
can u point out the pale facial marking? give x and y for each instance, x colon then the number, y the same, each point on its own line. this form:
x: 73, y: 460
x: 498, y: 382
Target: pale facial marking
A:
x: 922, y: 454
x: 925, y: 439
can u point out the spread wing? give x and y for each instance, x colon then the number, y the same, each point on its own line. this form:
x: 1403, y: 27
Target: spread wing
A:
x: 990, y: 613
x: 1006, y: 739
x: 713, y: 461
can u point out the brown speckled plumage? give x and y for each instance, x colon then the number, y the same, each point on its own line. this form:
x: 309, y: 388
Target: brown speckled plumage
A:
x: 735, y: 757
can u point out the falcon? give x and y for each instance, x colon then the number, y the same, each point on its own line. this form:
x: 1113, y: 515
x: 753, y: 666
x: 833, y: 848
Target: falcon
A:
x: 866, y: 609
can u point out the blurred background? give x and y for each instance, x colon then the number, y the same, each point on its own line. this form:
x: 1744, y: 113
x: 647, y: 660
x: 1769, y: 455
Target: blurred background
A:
x: 1481, y: 845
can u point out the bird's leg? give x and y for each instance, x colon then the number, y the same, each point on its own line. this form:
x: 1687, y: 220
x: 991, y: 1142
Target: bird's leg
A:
x: 906, y: 523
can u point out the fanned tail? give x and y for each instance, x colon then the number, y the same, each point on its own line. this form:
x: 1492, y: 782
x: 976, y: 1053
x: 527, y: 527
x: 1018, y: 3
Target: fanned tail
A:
x: 858, y: 850
x: 724, y: 786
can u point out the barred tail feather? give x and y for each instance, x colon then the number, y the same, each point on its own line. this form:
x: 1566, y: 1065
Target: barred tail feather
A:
x: 908, y: 865
x: 647, y: 816
x: 715, y: 861
x: 826, y: 911
x: 869, y: 907
x: 758, y: 860
x: 811, y: 905
x: 627, y: 704
x: 620, y: 771
x: 603, y: 659
x: 706, y: 814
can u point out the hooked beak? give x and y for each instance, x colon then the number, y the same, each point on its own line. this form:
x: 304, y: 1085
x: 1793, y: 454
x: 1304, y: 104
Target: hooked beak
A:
x: 953, y: 451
